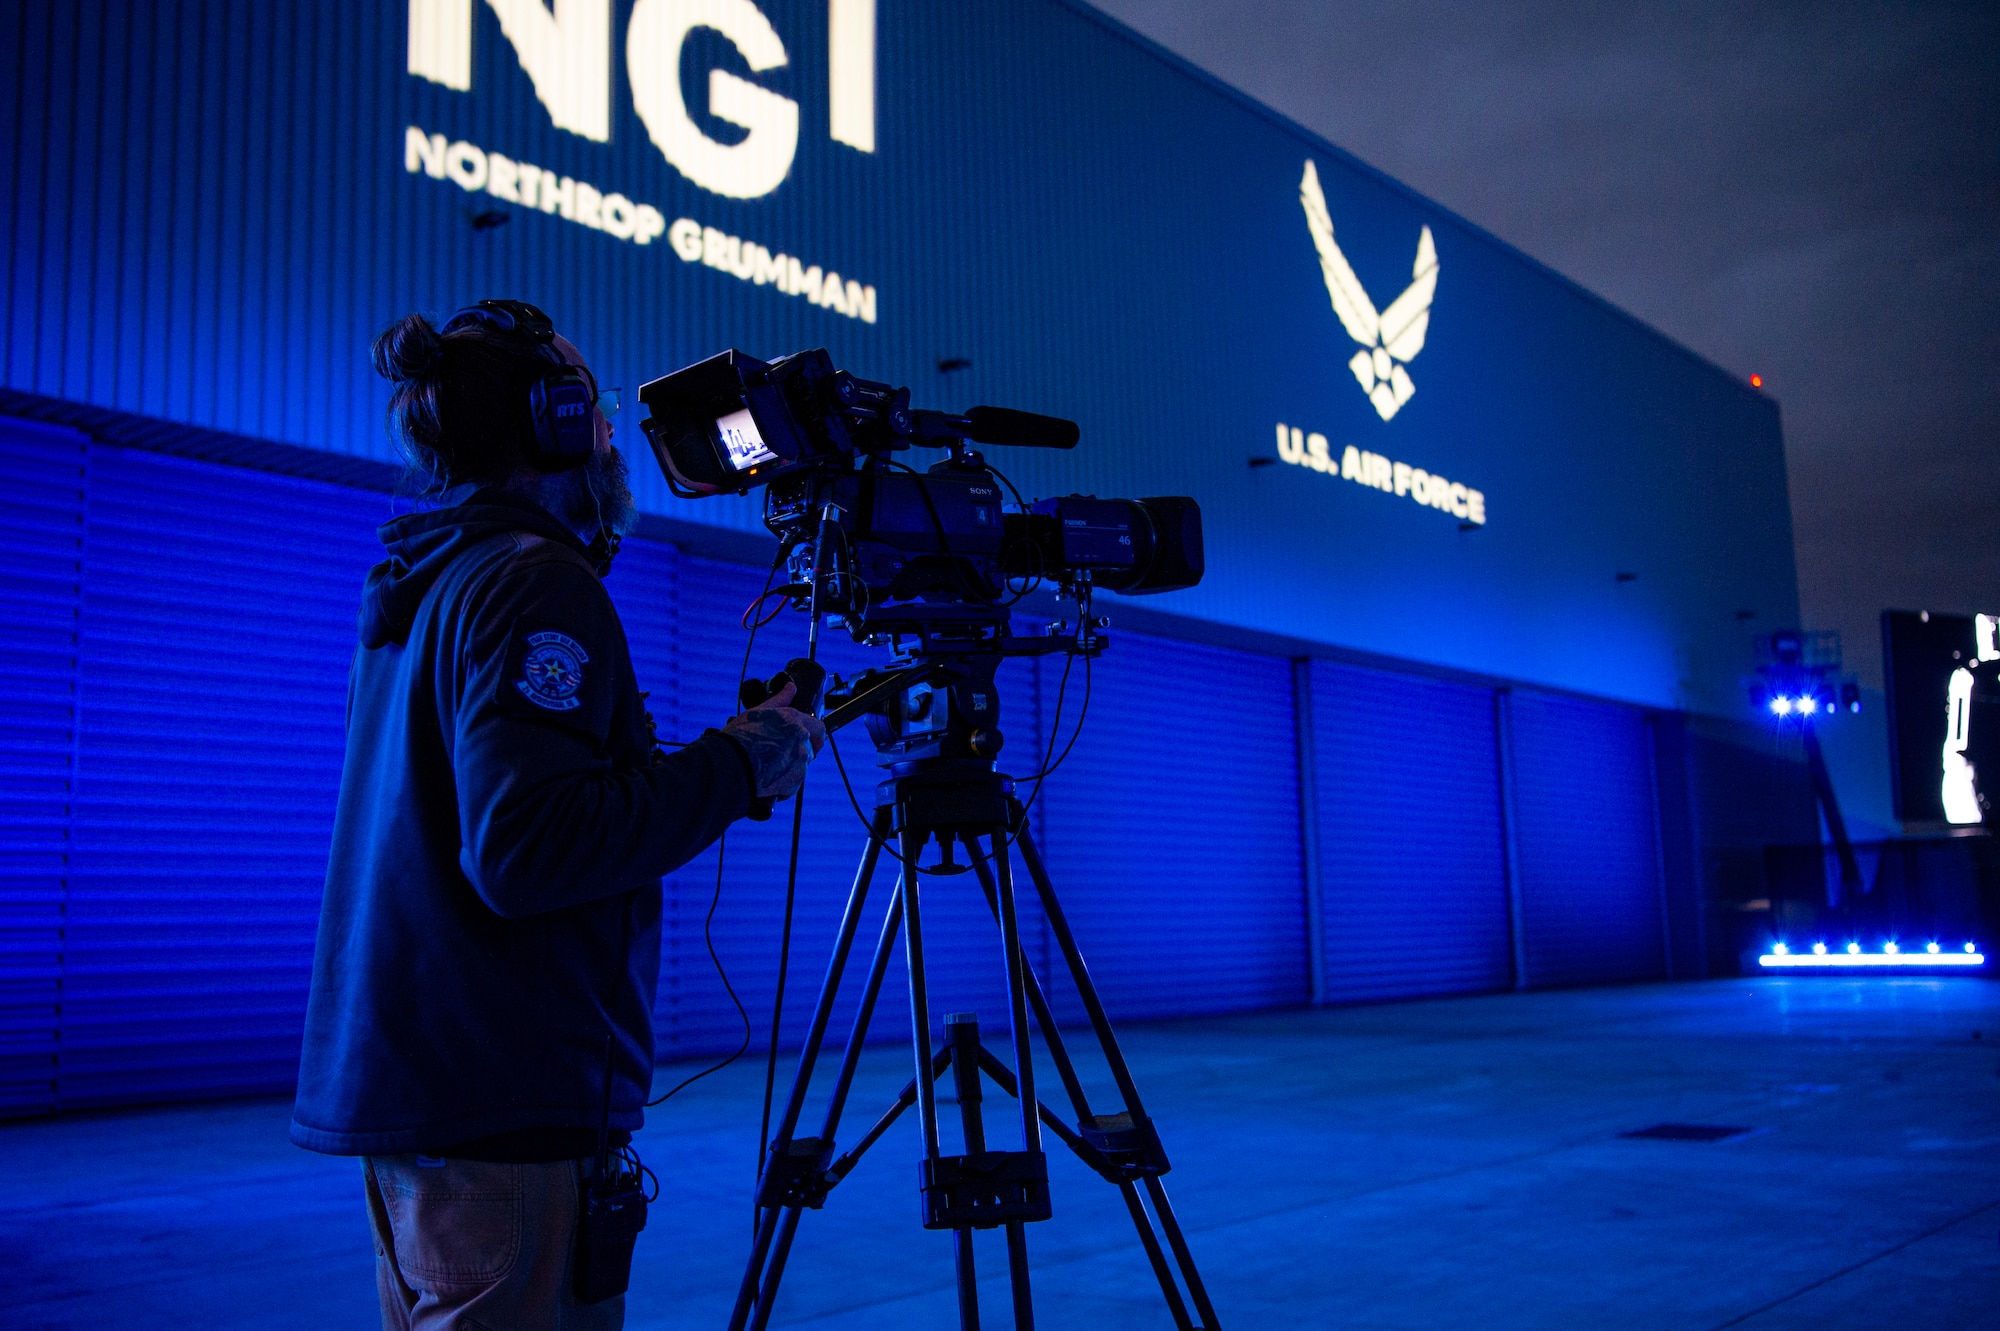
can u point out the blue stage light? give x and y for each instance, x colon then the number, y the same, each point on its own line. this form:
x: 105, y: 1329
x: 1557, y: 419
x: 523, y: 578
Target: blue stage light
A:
x: 1781, y: 957
x: 1781, y: 706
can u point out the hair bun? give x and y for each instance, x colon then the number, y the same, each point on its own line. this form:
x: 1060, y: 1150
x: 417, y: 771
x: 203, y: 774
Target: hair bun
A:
x: 409, y: 349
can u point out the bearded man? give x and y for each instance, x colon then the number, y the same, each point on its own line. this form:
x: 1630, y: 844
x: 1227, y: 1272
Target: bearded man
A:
x: 490, y: 934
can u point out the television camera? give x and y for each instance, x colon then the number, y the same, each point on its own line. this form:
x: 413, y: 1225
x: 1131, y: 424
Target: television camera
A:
x: 929, y: 563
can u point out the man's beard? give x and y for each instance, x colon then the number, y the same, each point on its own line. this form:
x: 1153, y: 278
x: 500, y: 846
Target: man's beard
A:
x: 596, y: 496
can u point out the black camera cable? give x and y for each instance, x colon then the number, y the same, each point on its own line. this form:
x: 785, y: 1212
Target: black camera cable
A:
x: 715, y: 900
x: 1030, y: 582
x: 823, y: 540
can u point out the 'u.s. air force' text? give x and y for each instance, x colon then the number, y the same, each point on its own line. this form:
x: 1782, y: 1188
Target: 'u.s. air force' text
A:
x: 1377, y: 472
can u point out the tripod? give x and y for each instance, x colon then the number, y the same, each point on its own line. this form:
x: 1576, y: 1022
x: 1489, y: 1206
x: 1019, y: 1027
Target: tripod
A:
x: 962, y: 802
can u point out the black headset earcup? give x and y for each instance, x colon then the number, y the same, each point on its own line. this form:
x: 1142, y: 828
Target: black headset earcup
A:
x: 559, y: 407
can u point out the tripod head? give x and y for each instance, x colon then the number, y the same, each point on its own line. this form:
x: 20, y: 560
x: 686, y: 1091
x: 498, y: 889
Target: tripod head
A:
x: 942, y: 702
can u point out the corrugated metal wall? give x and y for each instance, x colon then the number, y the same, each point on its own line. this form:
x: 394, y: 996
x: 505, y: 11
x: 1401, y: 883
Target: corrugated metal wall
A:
x: 217, y: 617
x: 172, y: 764
x: 1413, y: 872
x: 1172, y: 830
x: 170, y: 753
x: 42, y: 501
x: 1592, y: 900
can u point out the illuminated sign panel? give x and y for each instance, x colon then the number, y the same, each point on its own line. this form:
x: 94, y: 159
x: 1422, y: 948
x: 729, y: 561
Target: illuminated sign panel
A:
x: 1942, y: 678
x: 1963, y: 795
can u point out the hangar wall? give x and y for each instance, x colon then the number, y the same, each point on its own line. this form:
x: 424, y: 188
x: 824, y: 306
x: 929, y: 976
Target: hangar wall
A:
x: 171, y: 754
x: 1388, y: 749
x: 209, y: 214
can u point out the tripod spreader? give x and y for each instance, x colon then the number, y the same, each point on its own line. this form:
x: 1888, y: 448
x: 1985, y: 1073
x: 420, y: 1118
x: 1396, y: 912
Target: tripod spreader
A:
x: 798, y: 1174
x: 981, y: 1189
x: 802, y: 1171
x: 1126, y: 1150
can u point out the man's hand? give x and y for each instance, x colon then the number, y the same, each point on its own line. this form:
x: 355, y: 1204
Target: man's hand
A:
x: 780, y: 740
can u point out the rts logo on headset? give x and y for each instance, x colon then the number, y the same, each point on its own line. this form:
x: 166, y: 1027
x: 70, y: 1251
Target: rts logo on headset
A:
x: 566, y: 53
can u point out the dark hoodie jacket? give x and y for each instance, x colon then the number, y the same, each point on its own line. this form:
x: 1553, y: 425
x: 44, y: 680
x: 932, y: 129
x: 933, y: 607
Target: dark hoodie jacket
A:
x: 492, y: 905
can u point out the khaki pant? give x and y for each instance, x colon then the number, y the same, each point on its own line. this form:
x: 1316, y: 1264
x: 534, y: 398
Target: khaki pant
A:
x: 463, y: 1245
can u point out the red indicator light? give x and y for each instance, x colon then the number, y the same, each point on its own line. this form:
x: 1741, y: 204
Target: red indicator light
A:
x: 1756, y: 381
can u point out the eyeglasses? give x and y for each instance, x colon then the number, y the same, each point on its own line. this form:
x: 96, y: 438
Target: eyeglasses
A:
x: 606, y: 399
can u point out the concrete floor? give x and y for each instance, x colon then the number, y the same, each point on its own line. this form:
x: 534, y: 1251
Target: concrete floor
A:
x: 1444, y: 1164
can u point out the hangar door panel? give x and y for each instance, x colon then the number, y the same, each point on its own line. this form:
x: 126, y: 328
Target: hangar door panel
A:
x: 217, y: 627
x: 1589, y: 848
x: 42, y: 500
x: 1413, y: 875
x: 1172, y: 830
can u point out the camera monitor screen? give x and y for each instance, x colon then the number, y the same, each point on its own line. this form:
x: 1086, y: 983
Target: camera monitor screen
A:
x: 742, y: 442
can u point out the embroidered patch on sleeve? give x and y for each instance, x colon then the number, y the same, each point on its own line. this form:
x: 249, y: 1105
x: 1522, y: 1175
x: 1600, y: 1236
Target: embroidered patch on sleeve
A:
x: 552, y: 671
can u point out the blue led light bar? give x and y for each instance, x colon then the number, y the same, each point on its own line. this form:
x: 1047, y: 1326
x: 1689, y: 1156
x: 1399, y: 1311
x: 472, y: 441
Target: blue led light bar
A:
x: 1781, y: 957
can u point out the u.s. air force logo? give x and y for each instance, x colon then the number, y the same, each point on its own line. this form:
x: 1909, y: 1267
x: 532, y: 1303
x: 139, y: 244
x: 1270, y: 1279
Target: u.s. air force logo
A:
x: 1389, y: 340
x: 552, y: 671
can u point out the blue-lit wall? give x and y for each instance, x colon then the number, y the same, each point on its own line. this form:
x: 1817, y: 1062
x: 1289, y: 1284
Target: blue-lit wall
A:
x: 208, y: 215
x: 1353, y: 765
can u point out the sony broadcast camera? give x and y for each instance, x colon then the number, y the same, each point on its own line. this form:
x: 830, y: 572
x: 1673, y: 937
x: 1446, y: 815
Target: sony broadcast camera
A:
x: 930, y: 562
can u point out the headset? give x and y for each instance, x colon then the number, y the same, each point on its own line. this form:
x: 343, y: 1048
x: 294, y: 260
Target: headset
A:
x: 560, y: 399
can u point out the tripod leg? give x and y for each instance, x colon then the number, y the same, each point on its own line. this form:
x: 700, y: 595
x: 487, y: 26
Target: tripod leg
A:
x: 767, y: 1226
x: 1024, y: 1063
x: 1161, y: 1271
x: 850, y: 921
x: 1087, y: 991
x: 967, y: 1060
x: 1044, y: 1015
x: 767, y: 1293
x: 1017, y: 996
x: 920, y: 1009
x: 1162, y: 1208
x: 780, y: 1250
x: 920, y: 1039
x: 1017, y: 1273
x: 864, y: 1015
x: 784, y: 972
x: 768, y: 1219
x: 968, y: 1279
x: 1122, y: 1074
